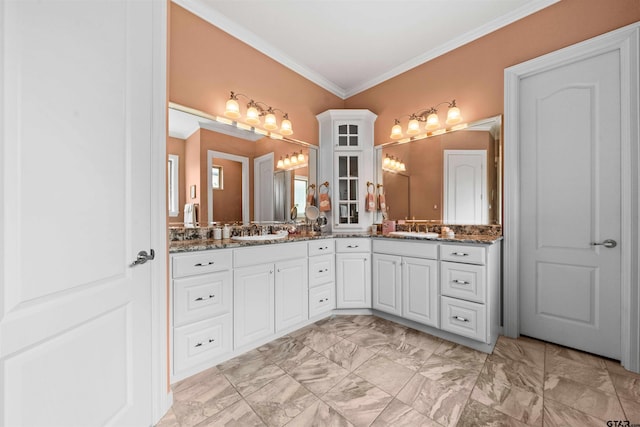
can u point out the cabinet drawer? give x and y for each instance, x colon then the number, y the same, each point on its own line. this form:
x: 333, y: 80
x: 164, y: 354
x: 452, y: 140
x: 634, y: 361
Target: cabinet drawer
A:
x: 414, y: 249
x: 201, y: 297
x: 199, y: 342
x: 463, y: 318
x: 353, y: 245
x: 321, y: 247
x: 202, y: 262
x: 463, y: 253
x: 321, y: 299
x: 321, y: 270
x: 464, y: 281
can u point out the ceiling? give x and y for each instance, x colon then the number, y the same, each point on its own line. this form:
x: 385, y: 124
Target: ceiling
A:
x: 347, y: 46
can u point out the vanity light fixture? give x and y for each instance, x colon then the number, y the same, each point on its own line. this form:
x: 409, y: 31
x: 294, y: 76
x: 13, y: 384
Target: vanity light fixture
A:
x: 391, y: 164
x: 293, y: 161
x: 430, y: 117
x: 256, y: 110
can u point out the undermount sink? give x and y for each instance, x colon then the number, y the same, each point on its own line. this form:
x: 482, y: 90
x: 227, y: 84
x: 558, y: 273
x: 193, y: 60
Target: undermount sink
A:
x: 416, y: 234
x: 276, y: 236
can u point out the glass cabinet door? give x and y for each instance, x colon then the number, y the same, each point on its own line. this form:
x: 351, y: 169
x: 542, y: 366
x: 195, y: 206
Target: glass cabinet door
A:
x: 348, y: 136
x: 348, y: 176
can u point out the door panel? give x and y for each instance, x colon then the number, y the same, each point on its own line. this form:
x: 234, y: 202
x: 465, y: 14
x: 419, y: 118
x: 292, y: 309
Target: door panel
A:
x: 76, y: 141
x: 570, y: 198
x: 465, y: 181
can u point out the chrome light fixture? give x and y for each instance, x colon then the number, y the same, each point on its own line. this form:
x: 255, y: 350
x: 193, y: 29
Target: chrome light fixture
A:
x: 430, y: 117
x: 391, y: 164
x: 293, y: 161
x: 256, y: 110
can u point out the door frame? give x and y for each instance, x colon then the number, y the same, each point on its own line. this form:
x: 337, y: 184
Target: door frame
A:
x: 258, y: 193
x: 626, y: 40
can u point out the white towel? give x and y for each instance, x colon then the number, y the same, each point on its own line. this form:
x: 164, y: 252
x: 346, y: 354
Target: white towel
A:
x: 189, y: 215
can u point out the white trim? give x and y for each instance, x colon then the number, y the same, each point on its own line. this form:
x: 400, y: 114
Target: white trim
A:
x: 174, y: 178
x: 257, y: 186
x: 209, y: 14
x: 161, y: 395
x: 245, y: 183
x: 627, y: 41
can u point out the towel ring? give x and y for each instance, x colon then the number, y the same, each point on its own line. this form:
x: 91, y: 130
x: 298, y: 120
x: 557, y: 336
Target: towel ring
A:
x: 370, y: 184
x: 325, y: 185
x: 311, y: 190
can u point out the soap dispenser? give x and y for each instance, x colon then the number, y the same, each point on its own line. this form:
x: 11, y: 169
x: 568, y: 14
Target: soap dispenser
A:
x: 226, y: 231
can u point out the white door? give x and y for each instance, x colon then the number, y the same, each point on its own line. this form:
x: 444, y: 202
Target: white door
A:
x: 570, y: 164
x: 263, y: 188
x: 465, y: 187
x: 353, y: 280
x: 292, y: 293
x: 76, y: 138
x: 420, y: 290
x: 253, y: 302
x: 387, y: 283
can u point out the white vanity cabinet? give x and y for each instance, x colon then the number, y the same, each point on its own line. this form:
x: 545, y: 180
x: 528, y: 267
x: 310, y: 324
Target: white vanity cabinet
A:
x: 353, y: 273
x: 405, y: 280
x: 322, y: 288
x: 346, y: 163
x: 271, y: 296
x: 201, y: 302
x: 470, y: 290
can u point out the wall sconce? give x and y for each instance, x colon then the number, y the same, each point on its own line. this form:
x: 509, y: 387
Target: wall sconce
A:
x: 295, y: 161
x: 430, y: 117
x: 391, y: 164
x: 255, y: 110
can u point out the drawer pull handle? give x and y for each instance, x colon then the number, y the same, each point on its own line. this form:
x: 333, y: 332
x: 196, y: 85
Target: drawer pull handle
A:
x: 201, y: 344
x: 461, y: 282
x: 323, y: 271
x: 204, y: 265
x: 462, y: 319
x: 323, y: 248
x: 202, y: 299
x: 324, y: 300
x: 198, y: 345
x: 459, y: 254
x: 353, y: 246
x: 211, y: 340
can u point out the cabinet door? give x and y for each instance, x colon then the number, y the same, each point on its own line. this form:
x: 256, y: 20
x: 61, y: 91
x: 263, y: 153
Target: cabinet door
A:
x: 347, y: 196
x: 420, y: 290
x: 353, y: 280
x: 292, y: 301
x: 387, y: 283
x: 253, y: 302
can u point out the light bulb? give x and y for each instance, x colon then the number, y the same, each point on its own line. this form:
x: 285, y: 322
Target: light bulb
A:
x: 253, y: 116
x: 413, y: 127
x: 432, y: 122
x: 286, y: 128
x: 301, y: 158
x: 393, y: 162
x: 396, y: 131
x: 232, y: 109
x: 386, y: 161
x: 287, y: 161
x: 453, y: 115
x: 270, y: 122
x: 294, y: 159
x: 280, y: 164
x: 402, y: 167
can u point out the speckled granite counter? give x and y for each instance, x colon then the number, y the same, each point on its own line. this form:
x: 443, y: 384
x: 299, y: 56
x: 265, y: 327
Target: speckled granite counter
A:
x: 193, y: 245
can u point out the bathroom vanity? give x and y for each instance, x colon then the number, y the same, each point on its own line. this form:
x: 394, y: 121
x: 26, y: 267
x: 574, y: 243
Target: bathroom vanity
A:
x: 228, y: 297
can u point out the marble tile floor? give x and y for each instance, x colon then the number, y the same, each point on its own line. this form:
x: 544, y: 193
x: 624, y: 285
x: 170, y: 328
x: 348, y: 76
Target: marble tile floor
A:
x: 367, y: 371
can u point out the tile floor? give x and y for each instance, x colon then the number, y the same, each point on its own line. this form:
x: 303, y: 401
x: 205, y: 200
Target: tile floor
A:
x: 367, y: 371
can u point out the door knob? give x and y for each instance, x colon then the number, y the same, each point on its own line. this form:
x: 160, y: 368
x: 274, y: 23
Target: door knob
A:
x: 609, y: 243
x: 143, y: 257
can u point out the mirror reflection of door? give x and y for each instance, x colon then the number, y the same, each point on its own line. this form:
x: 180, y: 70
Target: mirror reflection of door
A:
x: 263, y: 187
x: 465, y: 200
x: 300, y: 185
x: 281, y: 195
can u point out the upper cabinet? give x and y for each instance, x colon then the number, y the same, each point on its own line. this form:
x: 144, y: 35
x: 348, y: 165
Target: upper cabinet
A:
x: 346, y: 163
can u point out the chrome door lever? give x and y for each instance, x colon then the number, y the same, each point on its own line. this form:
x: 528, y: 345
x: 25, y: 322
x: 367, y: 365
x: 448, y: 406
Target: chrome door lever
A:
x: 609, y: 243
x: 143, y: 257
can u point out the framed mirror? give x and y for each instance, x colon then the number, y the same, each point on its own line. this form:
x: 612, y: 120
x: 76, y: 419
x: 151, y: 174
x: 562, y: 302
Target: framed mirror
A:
x: 454, y: 177
x: 236, y: 170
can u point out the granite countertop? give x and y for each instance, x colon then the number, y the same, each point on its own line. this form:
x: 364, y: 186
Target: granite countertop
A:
x: 205, y: 244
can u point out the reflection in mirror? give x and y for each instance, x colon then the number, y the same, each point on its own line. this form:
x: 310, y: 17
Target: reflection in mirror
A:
x: 248, y: 161
x: 453, y: 178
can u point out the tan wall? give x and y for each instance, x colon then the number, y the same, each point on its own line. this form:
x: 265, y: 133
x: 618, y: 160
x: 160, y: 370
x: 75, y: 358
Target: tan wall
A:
x: 206, y: 64
x: 177, y: 146
x: 227, y: 203
x: 474, y: 73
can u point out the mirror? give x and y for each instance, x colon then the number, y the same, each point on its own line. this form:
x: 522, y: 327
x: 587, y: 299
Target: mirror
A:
x: 230, y: 171
x: 454, y: 177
